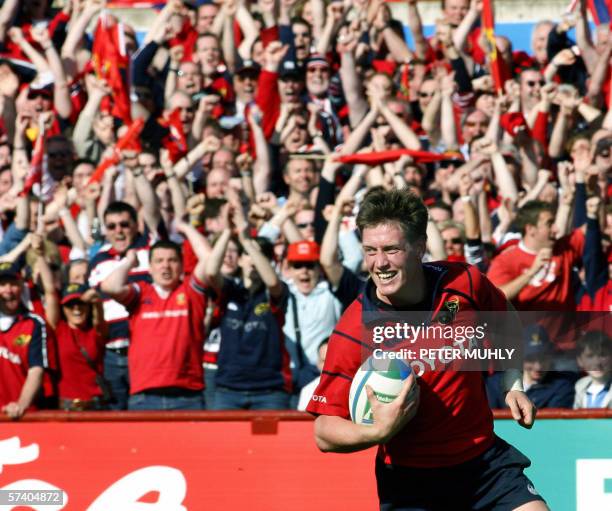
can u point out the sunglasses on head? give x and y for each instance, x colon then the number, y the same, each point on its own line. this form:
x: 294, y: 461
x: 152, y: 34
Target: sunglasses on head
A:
x: 124, y: 224
x: 303, y: 264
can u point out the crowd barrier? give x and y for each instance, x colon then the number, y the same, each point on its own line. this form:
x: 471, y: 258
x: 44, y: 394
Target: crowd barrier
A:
x: 206, y: 461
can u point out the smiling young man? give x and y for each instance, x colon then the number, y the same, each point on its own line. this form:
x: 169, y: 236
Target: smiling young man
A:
x: 439, y: 434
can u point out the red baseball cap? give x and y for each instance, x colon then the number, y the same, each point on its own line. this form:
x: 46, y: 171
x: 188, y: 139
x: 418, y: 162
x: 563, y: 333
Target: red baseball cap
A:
x: 303, y: 251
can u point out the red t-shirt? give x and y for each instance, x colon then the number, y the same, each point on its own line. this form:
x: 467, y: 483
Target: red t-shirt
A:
x: 77, y: 378
x: 166, y: 336
x: 23, y: 345
x: 454, y: 422
x: 551, y: 288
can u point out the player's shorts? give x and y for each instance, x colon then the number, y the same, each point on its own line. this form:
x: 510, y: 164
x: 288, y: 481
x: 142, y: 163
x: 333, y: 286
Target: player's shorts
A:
x: 492, y: 481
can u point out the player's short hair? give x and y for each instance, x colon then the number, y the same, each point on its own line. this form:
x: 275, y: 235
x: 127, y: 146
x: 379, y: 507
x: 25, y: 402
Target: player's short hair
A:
x: 596, y: 341
x: 382, y: 206
x: 529, y: 214
x: 166, y: 244
x: 121, y: 207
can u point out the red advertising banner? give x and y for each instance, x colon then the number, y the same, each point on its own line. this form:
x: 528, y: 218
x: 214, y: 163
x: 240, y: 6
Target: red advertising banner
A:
x: 200, y: 461
x: 179, y: 466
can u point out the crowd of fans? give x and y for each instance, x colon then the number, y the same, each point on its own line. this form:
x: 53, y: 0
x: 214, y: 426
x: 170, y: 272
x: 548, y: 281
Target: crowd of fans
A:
x: 177, y: 230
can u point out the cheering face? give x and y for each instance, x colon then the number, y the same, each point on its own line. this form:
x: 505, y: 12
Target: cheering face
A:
x: 121, y: 230
x: 6, y: 181
x: 597, y: 365
x: 208, y: 54
x: 206, y: 17
x: 77, y: 313
x: 10, y: 295
x: 539, y: 42
x: 426, y: 93
x: 217, y: 182
x: 189, y: 78
x: 455, y: 10
x: 300, y: 176
x: 166, y: 268
x: 80, y: 176
x: 542, y: 234
x: 245, y: 86
x: 305, y: 275
x: 317, y: 79
x: 298, y: 136
x: 230, y: 261
x: 390, y: 259
x: 452, y: 241
x: 304, y: 220
x: 289, y: 89
x: 302, y: 40
x: 104, y: 128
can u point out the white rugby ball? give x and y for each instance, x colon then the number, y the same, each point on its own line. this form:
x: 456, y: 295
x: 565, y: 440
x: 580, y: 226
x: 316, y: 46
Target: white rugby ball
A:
x: 385, y: 376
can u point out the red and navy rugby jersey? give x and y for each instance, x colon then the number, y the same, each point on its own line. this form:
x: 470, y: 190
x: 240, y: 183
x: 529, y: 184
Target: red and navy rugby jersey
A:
x: 23, y: 345
x: 454, y: 422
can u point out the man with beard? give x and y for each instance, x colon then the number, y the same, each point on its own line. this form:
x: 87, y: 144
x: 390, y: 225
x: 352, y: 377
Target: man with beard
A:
x: 23, y: 347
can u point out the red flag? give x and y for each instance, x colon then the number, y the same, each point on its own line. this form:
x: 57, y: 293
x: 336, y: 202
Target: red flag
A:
x: 175, y: 141
x: 35, y: 173
x: 378, y: 158
x: 127, y: 141
x: 488, y: 27
x: 111, y: 62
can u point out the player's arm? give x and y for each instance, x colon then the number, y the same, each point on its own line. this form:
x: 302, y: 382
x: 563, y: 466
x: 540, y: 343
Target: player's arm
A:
x: 116, y: 284
x: 336, y: 434
x: 522, y: 408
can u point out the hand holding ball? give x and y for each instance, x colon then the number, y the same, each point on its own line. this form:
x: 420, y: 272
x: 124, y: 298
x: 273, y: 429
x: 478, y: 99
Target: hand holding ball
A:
x: 384, y: 393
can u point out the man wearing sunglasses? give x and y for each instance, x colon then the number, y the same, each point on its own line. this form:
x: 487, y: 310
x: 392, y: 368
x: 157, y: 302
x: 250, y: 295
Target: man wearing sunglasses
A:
x: 312, y: 312
x: 121, y: 227
x: 531, y: 83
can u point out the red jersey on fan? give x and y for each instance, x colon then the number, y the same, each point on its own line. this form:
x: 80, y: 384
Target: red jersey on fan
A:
x: 551, y: 288
x: 454, y: 422
x: 23, y: 345
x: 77, y: 378
x: 166, y: 336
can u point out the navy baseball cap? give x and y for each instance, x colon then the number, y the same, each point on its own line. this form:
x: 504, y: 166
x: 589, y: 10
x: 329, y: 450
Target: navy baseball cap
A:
x: 73, y: 292
x: 290, y: 69
x: 9, y: 271
x: 536, y: 341
x: 245, y: 66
